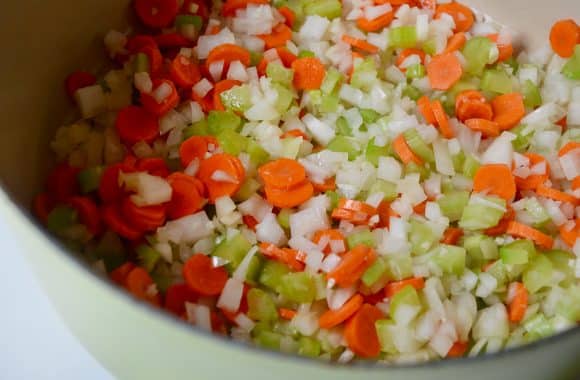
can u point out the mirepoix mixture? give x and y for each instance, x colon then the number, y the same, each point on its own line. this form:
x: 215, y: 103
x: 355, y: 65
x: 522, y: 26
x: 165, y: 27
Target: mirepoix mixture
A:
x: 354, y: 180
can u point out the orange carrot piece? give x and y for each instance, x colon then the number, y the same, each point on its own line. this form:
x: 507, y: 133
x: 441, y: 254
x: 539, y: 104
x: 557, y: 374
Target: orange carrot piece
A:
x: 570, y: 146
x: 375, y: 24
x: 455, y: 43
x: 138, y: 282
x: 495, y: 179
x: 360, y: 332
x: 119, y: 275
x: 505, y: 50
x: 404, y: 152
x: 471, y: 104
x: 569, y: 235
x: 519, y: 303
x: 287, y: 256
x: 201, y: 276
x: 527, y: 232
x: 576, y: 183
x: 564, y: 36
x: 444, y: 71
x: 193, y: 148
x: 231, y: 6
x: 486, y: 127
x: 457, y: 350
x: 332, y: 318
x: 331, y: 235
x: 228, y: 53
x: 289, y: 198
x: 354, y: 217
x: 557, y: 195
x: 442, y: 120
x: 328, y: 185
x: 295, y: 133
x: 282, y: 173
x: 395, y: 287
x: 360, y: 44
x: 309, y: 73
x: 358, y: 206
x: 532, y: 181
x: 508, y: 110
x: 462, y: 15
x: 222, y: 175
x: 286, y: 314
x: 281, y: 34
x: 406, y: 53
x: 425, y: 108
x: 354, y: 263
x: 452, y: 235
x: 288, y: 14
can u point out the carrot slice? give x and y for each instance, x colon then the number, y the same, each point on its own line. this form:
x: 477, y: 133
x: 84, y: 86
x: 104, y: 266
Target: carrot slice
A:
x: 186, y: 197
x: 527, y: 232
x: 221, y: 175
x: 569, y: 235
x: 360, y: 44
x: 201, y: 8
x: 62, y: 183
x: 564, y: 36
x: 220, y: 87
x: 404, y: 152
x: 532, y: 181
x: 184, y: 72
x: 309, y: 73
x: 156, y: 13
x: 462, y: 15
x: 548, y: 192
x: 88, y: 213
x: 330, y: 235
x: 354, y: 217
x: 194, y: 148
x: 119, y: 274
x: 288, y: 14
x: 113, y: 218
x: 282, y: 173
x: 328, y: 185
x: 385, y: 212
x: 286, y: 56
x: 78, y: 80
x: 486, y: 127
x: 231, y: 6
x: 576, y: 183
x: 508, y: 110
x: 169, y: 102
x: 455, y: 43
x: 286, y: 314
x: 495, y: 179
x: 153, y: 165
x: 375, y: 24
x: 358, y: 206
x: 519, y: 303
x: 457, y: 350
x: 442, y: 119
x: 228, y: 53
x: 503, y: 224
x: 406, y: 53
x: 570, y: 146
x: 281, y: 34
x: 287, y: 256
x: 154, y: 57
x: 425, y: 108
x: 444, y: 71
x: 452, y: 235
x: 138, y: 283
x: 289, y: 198
x: 176, y: 296
x: 471, y: 104
x: 505, y: 50
x: 134, y: 124
x: 354, y: 263
x: 395, y: 287
x: 332, y: 318
x: 360, y: 332
x: 202, y: 277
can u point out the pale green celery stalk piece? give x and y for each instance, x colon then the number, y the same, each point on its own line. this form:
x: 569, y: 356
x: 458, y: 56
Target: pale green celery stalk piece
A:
x: 285, y: 98
x: 233, y: 250
x: 237, y: 99
x: 531, y: 93
x: 451, y: 259
x: 569, y: 305
x: 89, y: 179
x: 182, y: 20
x: 517, y: 252
x: 452, y: 204
x: 400, y: 267
x: 345, y: 144
x: 365, y: 237
x: 196, y: 129
x: 477, y: 53
x: 232, y: 142
x: 261, y: 306
x: 375, y: 272
x: 405, y: 298
x: 373, y: 152
x: 248, y: 188
x: 571, y: 69
x: 421, y: 237
x: 403, y: 37
x: 522, y: 141
x: 309, y: 347
x: 218, y: 121
x: 477, y: 215
x: 283, y: 218
x: 497, y: 81
x: 330, y: 9
x: 141, y: 63
x: 538, y: 327
x: 384, y: 329
x: 418, y: 145
x: 389, y: 189
x: 538, y: 273
x: 298, y: 287
x: 364, y: 75
x: 415, y: 71
x: 470, y: 166
x: 279, y: 74
x: 258, y: 155
x: 332, y: 81
x: 272, y: 274
x: 148, y: 257
x: 268, y: 339
x: 61, y: 218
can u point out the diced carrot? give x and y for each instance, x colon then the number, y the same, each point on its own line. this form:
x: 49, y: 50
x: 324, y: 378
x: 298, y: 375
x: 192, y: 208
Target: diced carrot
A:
x: 358, y: 206
x: 570, y: 146
x: 288, y: 14
x: 360, y: 332
x: 184, y: 72
x: 138, y: 283
x: 462, y: 15
x: 570, y: 235
x: 153, y: 106
x: 404, y: 152
x: 395, y: 287
x: 113, y: 219
x: 442, y: 119
x: 457, y: 350
x: 527, y: 232
x: 88, y: 213
x: 231, y: 6
x: 452, y: 235
x: 289, y: 198
x: 119, y: 274
x: 228, y: 53
x: 375, y: 24
x: 283, y: 173
x: 330, y: 235
x: 425, y: 108
x: 557, y: 195
x: 486, y: 181
x: 134, y: 124
x: 354, y: 263
x: 222, y: 174
x: 444, y: 70
x: 532, y: 181
x: 328, y: 185
x: 505, y: 50
x: 406, y: 53
x: 471, y: 104
x: 360, y: 44
x: 564, y: 36
x: 508, y: 110
x: 281, y: 34
x: 62, y: 183
x: 487, y: 128
x: 201, y: 276
x: 309, y: 73
x: 287, y: 256
x: 332, y: 318
x: 186, y: 197
x: 519, y: 303
x: 286, y: 314
x: 42, y: 206
x: 455, y: 43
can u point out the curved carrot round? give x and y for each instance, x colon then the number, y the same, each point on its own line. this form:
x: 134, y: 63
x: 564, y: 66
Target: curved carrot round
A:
x: 360, y: 44
x: 309, y: 73
x: 462, y: 15
x: 526, y: 232
x: 444, y: 71
x: 452, y: 235
x: 289, y: 15
x: 186, y: 197
x: 569, y: 235
x: 281, y: 34
x: 119, y: 274
x: 202, y: 8
x: 508, y: 110
x: 406, y: 53
x: 155, y: 13
x: 202, y: 277
x: 286, y: 56
x: 332, y: 318
x: 116, y: 223
x: 222, y: 175
x: 172, y: 40
x: 375, y: 24
x: 519, y: 304
x: 360, y: 332
x: 184, y: 72
x: 153, y: 165
x: 231, y: 6
x: 570, y: 146
x: 471, y: 104
x: 442, y: 119
x: 425, y: 108
x: 328, y: 185
x: 289, y: 198
x: 357, y: 206
x: 42, y: 206
x: 62, y: 183
x: 404, y: 152
x: 354, y: 263
x: 557, y: 195
x: 88, y: 213
x: 505, y: 50
x: 153, y: 106
x: 576, y: 183
x: 154, y: 56
x: 228, y: 53
x: 146, y: 219
x: 134, y: 124
x: 330, y: 235
x: 287, y: 256
x: 220, y: 87
x: 282, y: 173
x: 395, y: 287
x: 138, y: 282
x: 286, y: 314
x: 532, y: 181
x: 193, y: 148
x: 564, y: 36
x: 455, y: 43
x: 487, y: 128
x: 176, y: 296
x: 495, y: 179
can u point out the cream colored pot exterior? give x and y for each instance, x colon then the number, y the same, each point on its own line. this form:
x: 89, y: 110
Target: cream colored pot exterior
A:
x: 44, y: 40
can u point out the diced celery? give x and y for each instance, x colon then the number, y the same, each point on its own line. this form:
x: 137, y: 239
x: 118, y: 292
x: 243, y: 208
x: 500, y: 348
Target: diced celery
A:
x: 538, y: 327
x: 306, y: 54
x: 458, y: 161
x: 218, y: 121
x: 531, y: 93
x: 368, y: 115
x: 477, y: 215
x: 389, y: 189
x: 309, y: 347
x: 373, y: 152
x: 480, y: 248
x: 498, y: 270
x: 279, y: 74
x: 534, y: 213
x: 412, y: 92
x: 255, y: 58
x: 258, y: 155
x: 402, y: 303
x: 418, y: 146
x: 342, y: 127
x: 298, y: 287
x: 452, y: 204
x: 334, y: 198
x: 470, y: 166
x: 148, y: 257
x: 364, y: 236
x: 329, y: 103
x: 522, y: 141
x: 162, y: 276
x: 320, y: 285
x: 538, y: 273
x: 238, y: 98
x: 364, y: 75
x: 272, y: 273
x: 196, y: 129
x: 517, y: 252
x: 111, y: 250
x: 248, y: 188
x: 181, y: 20
x: 412, y: 168
x: 569, y: 304
x: 496, y: 80
x: 61, y: 218
x: 231, y: 141
x: 141, y: 63
x: 254, y: 269
x: 477, y: 53
x: 283, y: 218
x: 571, y: 69
x: 403, y: 37
x: 285, y: 98
x: 375, y: 272
x: 331, y: 81
x: 385, y: 329
x: 345, y: 144
x: 325, y: 8
x: 400, y: 266
x: 415, y: 71
x: 268, y: 339
x: 89, y: 179
x: 261, y: 306
x: 451, y: 259
x: 421, y: 237
x: 233, y: 250
x: 561, y: 263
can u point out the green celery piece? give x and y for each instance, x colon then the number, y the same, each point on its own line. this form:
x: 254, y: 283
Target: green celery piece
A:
x: 497, y: 81
x: 480, y: 247
x: 248, y: 188
x: 111, y: 250
x: 369, y: 116
x: 384, y: 328
x: 232, y: 142
x: 537, y: 214
x: 412, y: 92
x: 329, y: 103
x: 332, y: 81
x: 499, y: 271
x: 418, y: 145
x: 569, y: 305
x: 309, y: 347
x: 283, y: 218
x: 320, y: 285
x: 233, y: 250
x: 406, y: 297
x: 531, y: 93
x: 89, y: 179
x: 470, y: 166
x: 477, y: 216
x: 364, y: 75
x: 330, y: 9
x: 334, y: 198
x: 421, y: 237
x: 451, y: 259
x: 279, y: 74
x: 476, y: 52
x: 162, y: 276
x: 61, y: 218
x: 389, y: 189
x: 285, y: 98
x: 237, y: 99
x: 517, y: 252
x: 447, y: 186
x: 218, y: 121
x: 403, y: 37
x: 364, y: 237
x: 412, y: 168
x: 375, y: 272
x: 430, y: 46
x: 345, y: 144
x: 141, y: 63
x: 306, y: 54
x: 342, y: 127
x: 538, y: 327
x: 261, y: 306
x: 522, y: 141
x: 196, y: 129
x: 195, y: 20
x: 297, y: 6
x: 148, y: 257
x: 373, y: 152
x: 571, y: 69
x: 272, y: 273
x: 415, y: 71
x: 560, y: 261
x: 458, y: 161
x: 452, y: 204
x: 298, y: 287
x: 255, y: 58
x: 268, y: 339
x: 400, y: 267
x: 258, y: 155
x: 538, y: 273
